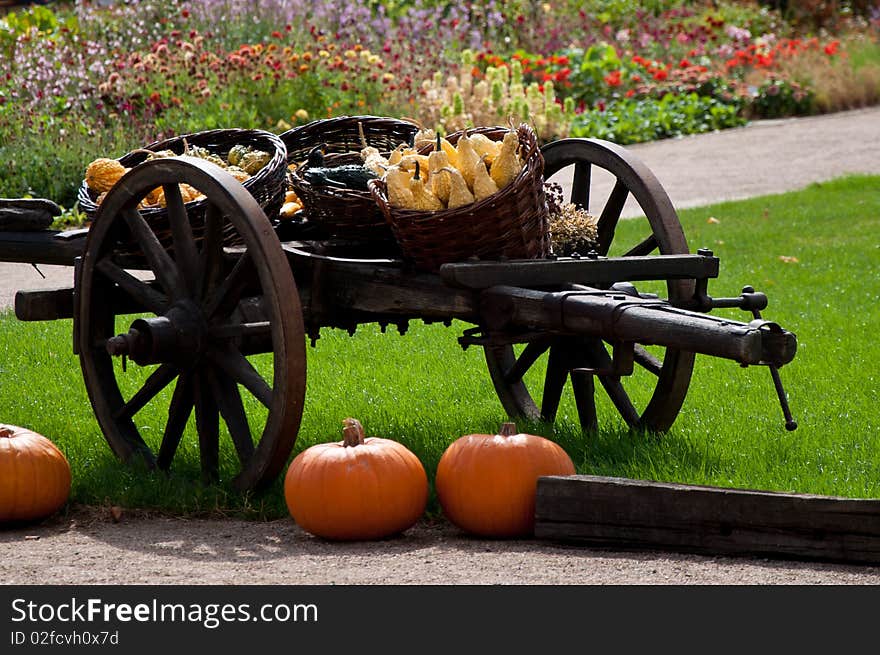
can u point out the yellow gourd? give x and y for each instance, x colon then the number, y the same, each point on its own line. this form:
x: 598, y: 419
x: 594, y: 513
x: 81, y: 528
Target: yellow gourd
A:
x: 397, y: 154
x: 103, y: 173
x: 437, y: 160
x: 373, y: 159
x: 423, y: 199
x: 397, y: 183
x: 485, y: 146
x: 507, y: 164
x: 238, y: 173
x: 484, y: 185
x: 468, y: 160
x: 459, y: 194
x: 451, y: 152
x: 423, y: 137
x: 409, y: 161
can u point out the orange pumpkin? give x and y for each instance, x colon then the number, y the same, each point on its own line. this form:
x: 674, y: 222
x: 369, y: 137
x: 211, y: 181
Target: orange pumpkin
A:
x: 34, y: 475
x: 486, y: 483
x: 356, y: 489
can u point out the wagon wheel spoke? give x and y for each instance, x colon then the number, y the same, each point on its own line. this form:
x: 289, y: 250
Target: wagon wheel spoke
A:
x: 554, y: 381
x: 147, y: 296
x: 530, y: 355
x: 645, y: 247
x: 584, y: 389
x: 237, y: 366
x: 232, y: 410
x: 208, y: 425
x: 610, y: 216
x: 158, y: 380
x: 646, y: 360
x: 223, y: 298
x: 178, y: 414
x: 212, y: 249
x: 580, y: 187
x: 612, y: 384
x: 185, y: 252
x: 160, y: 262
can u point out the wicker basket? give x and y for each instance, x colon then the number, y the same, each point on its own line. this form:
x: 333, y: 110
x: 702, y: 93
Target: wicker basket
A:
x: 267, y: 187
x: 510, y: 224
x: 344, y: 213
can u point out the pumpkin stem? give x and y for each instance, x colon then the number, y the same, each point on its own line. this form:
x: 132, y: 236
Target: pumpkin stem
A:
x: 507, y: 429
x: 352, y: 432
x: 6, y: 431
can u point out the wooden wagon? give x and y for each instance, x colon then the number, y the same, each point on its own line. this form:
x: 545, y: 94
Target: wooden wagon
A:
x: 197, y: 308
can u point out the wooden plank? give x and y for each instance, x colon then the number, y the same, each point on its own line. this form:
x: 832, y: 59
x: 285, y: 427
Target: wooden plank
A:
x: 45, y: 247
x: 636, y: 514
x: 53, y: 304
x: 376, y: 288
x: 44, y: 304
x: 533, y: 273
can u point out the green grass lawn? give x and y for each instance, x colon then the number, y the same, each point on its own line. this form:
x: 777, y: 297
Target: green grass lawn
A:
x: 815, y: 253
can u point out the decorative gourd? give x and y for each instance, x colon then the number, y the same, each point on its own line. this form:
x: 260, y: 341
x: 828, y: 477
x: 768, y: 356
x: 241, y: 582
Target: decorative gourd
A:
x: 423, y: 199
x: 236, y: 152
x: 438, y: 160
x: 34, y: 475
x: 356, y: 489
x: 486, y: 483
x: 459, y: 194
x: 506, y: 166
x: 399, y: 194
x: 468, y: 160
x: 483, y: 186
x: 373, y: 159
x: 396, y: 155
x: 103, y: 173
x: 251, y: 162
x: 485, y: 146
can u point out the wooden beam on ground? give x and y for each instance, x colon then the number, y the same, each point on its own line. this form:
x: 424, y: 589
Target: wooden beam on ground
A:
x: 636, y: 514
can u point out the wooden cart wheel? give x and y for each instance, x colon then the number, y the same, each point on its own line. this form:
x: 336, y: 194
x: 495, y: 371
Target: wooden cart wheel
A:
x: 204, y: 312
x: 667, y: 374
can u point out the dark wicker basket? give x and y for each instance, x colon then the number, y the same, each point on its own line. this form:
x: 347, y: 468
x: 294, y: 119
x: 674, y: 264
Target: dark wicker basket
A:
x: 344, y: 213
x: 510, y: 224
x: 267, y: 187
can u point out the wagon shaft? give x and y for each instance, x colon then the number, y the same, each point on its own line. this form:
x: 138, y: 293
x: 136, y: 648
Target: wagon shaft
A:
x: 619, y: 317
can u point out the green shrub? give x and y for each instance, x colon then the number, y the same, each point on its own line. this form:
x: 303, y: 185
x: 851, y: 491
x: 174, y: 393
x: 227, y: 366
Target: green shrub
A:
x: 630, y: 120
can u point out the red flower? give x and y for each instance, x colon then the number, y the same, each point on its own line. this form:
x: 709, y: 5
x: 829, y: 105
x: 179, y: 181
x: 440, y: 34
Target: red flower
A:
x: 684, y: 63
x: 660, y: 75
x: 613, y: 78
x: 831, y: 48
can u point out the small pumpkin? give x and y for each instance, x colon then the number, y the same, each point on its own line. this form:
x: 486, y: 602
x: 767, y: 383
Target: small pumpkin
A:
x: 486, y: 483
x: 356, y: 489
x: 34, y: 475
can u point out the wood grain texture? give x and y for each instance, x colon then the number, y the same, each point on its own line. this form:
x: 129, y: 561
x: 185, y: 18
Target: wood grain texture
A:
x: 636, y: 514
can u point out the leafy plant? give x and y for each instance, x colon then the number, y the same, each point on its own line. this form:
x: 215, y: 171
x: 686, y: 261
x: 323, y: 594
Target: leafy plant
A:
x: 630, y: 120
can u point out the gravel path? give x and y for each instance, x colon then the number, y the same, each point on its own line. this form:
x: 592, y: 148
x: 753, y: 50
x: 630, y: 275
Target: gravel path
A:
x: 87, y: 546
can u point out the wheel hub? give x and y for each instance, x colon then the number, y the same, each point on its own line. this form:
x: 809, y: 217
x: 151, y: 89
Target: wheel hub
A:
x: 177, y: 337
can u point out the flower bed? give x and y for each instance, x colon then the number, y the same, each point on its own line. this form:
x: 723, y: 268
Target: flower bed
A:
x: 85, y: 81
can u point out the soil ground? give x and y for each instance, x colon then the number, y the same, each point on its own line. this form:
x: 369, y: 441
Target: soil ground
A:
x: 90, y: 546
